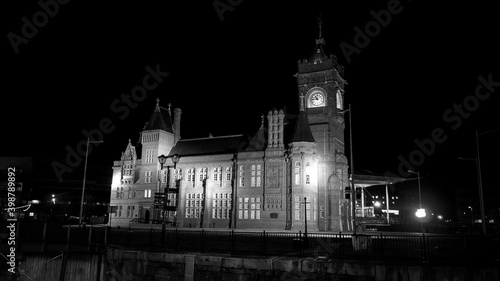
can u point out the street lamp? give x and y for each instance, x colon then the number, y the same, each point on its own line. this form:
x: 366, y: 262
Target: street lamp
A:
x: 84, y: 178
x: 479, y: 178
x: 162, y: 159
x: 420, y: 211
x: 471, y: 214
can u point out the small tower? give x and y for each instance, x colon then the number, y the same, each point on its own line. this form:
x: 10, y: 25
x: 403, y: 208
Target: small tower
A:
x: 303, y: 189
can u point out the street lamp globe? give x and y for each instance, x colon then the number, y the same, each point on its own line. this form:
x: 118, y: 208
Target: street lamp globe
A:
x: 420, y: 213
x: 162, y: 159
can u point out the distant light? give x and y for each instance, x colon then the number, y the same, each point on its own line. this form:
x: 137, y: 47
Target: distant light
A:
x: 420, y: 213
x: 35, y: 201
x: 440, y: 217
x: 377, y: 204
x: 31, y: 214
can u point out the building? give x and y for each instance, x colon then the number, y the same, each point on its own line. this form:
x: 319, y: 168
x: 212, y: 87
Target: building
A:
x: 15, y: 172
x: 292, y: 170
x: 41, y: 196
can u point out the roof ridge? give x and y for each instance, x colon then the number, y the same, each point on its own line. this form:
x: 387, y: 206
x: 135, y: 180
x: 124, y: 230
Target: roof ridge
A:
x: 218, y: 137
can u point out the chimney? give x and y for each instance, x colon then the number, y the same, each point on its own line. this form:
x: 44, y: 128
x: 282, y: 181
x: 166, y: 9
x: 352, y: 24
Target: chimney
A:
x: 270, y: 129
x: 177, y: 124
x: 275, y: 128
x: 281, y: 116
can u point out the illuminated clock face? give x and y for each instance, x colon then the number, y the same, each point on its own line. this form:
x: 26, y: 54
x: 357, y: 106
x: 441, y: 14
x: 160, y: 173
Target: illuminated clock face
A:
x: 317, y: 99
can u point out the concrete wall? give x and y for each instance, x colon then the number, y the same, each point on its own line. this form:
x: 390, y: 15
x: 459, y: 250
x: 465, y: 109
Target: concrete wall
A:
x: 138, y: 265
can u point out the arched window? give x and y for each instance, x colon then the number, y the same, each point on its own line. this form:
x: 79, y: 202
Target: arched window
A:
x: 297, y: 172
x: 242, y: 176
x: 340, y: 102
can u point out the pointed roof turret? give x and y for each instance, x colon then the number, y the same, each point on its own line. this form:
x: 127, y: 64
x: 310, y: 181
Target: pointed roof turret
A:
x: 130, y: 152
x: 160, y: 119
x: 318, y: 54
x: 302, y: 131
x: 259, y: 140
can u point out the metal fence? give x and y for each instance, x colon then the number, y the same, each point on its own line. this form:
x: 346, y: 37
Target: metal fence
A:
x: 422, y: 247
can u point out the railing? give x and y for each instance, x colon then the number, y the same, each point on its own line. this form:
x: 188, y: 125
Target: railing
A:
x: 422, y: 247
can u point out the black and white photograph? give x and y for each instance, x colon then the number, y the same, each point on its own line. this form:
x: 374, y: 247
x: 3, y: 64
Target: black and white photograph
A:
x: 250, y: 140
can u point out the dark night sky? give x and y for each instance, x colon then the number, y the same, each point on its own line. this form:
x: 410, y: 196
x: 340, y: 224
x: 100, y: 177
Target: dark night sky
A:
x: 225, y: 74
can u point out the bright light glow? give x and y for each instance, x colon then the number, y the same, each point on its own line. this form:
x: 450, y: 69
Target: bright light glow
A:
x: 35, y: 201
x: 377, y: 204
x: 31, y: 214
x: 420, y: 213
x: 440, y: 217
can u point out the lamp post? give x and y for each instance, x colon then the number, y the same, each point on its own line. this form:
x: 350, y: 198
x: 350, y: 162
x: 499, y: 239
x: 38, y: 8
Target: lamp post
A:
x: 84, y: 178
x: 471, y: 215
x: 305, y: 220
x: 162, y: 159
x: 421, y: 211
x: 480, y: 187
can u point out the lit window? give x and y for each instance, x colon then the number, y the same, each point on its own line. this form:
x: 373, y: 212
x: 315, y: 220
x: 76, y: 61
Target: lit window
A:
x: 297, y: 172
x: 190, y: 174
x: 217, y: 175
x: 178, y: 174
x: 147, y: 177
x: 203, y: 174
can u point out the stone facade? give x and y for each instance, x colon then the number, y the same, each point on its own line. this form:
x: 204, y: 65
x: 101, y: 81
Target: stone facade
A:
x: 292, y: 170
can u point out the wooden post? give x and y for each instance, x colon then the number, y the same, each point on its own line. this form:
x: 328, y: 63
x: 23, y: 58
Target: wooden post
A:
x: 65, y: 256
x: 44, y: 238
x: 90, y: 239
x: 106, y: 236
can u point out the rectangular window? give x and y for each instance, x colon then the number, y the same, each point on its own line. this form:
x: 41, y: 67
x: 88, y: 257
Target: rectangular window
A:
x: 190, y: 174
x: 178, y: 174
x: 229, y: 173
x: 203, y: 174
x: 147, y: 176
x: 217, y: 174
x: 249, y: 207
x: 150, y: 156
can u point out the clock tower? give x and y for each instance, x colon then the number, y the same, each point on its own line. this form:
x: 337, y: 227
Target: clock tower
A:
x: 320, y: 83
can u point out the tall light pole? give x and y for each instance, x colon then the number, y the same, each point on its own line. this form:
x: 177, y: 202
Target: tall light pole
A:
x: 479, y: 178
x: 471, y: 214
x: 480, y: 183
x: 84, y: 178
x: 421, y: 211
